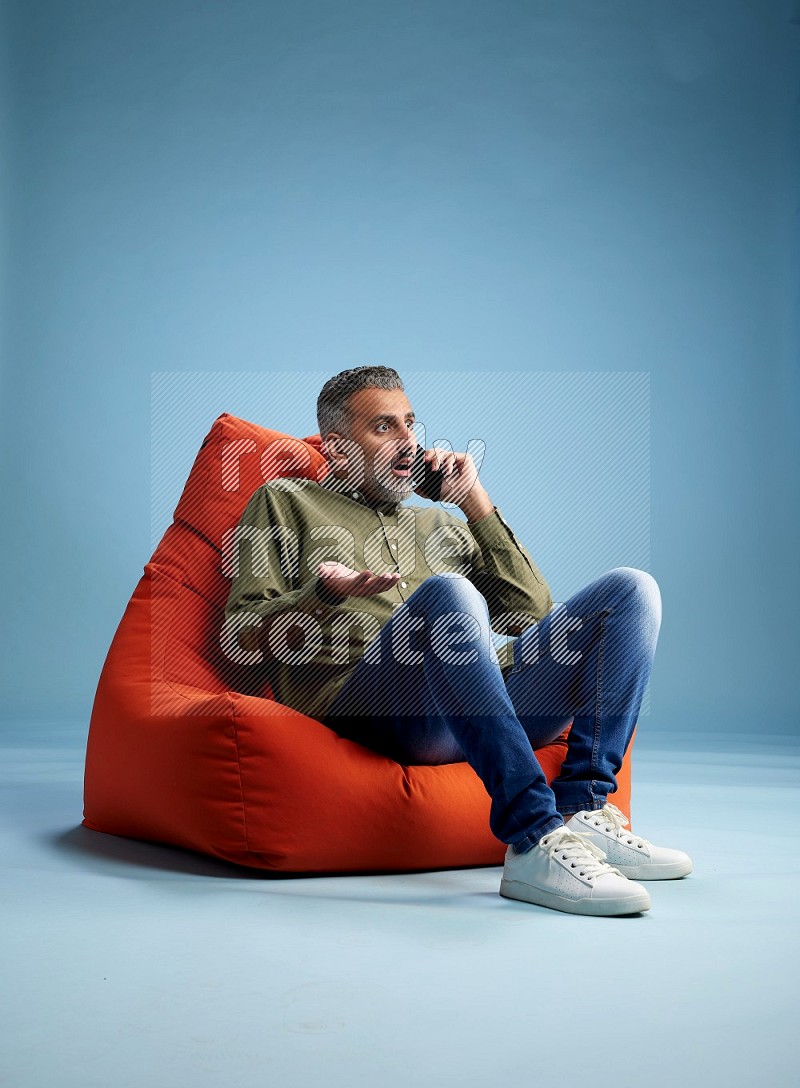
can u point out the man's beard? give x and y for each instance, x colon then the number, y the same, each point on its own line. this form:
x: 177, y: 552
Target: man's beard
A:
x: 381, y: 481
x: 389, y: 488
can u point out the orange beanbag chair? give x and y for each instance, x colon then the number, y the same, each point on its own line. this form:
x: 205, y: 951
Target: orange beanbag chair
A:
x: 181, y: 750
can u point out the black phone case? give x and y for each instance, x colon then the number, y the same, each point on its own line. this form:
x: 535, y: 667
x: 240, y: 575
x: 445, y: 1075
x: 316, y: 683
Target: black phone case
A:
x: 427, y: 480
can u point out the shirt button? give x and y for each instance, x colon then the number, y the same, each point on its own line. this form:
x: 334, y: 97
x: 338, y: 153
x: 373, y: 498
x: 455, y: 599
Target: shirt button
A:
x: 404, y: 585
x: 318, y: 611
x: 392, y: 545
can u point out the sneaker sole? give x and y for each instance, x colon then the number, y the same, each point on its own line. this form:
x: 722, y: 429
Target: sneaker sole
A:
x: 669, y: 871
x: 515, y: 889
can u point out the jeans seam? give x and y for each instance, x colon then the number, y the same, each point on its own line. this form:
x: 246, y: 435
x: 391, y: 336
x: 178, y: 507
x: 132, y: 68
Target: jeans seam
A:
x: 529, y: 840
x: 584, y: 808
x: 527, y: 664
x: 598, y: 705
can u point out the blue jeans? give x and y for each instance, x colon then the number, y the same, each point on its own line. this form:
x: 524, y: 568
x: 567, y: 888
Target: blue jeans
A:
x: 429, y: 689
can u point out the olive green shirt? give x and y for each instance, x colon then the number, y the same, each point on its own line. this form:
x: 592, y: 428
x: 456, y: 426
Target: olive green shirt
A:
x: 280, y: 619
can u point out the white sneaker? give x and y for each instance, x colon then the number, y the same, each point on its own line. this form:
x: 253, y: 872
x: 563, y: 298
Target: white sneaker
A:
x: 567, y: 872
x: 631, y: 854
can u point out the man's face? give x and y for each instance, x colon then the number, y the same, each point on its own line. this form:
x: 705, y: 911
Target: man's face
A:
x: 382, y: 424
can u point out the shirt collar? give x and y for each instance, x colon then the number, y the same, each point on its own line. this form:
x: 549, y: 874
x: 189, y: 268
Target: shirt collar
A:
x: 333, y: 483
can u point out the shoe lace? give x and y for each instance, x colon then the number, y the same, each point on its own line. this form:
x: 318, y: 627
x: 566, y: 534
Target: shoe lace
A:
x: 583, y: 855
x: 616, y: 822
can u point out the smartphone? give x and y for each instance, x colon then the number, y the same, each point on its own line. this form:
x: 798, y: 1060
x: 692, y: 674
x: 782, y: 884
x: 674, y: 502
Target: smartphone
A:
x: 428, y: 480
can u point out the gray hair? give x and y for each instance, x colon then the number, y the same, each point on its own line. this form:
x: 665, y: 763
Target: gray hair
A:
x: 332, y: 411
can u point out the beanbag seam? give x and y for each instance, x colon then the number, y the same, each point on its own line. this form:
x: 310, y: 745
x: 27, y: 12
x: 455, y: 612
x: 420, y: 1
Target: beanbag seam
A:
x: 232, y: 707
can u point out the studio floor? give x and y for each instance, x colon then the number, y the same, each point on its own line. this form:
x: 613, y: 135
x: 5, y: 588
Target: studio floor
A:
x: 127, y: 964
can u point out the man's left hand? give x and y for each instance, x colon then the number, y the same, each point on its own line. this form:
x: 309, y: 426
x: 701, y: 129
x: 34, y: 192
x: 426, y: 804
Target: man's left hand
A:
x: 460, y: 484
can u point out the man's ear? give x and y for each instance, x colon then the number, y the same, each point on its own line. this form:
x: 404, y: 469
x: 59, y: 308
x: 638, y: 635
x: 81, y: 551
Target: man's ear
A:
x: 334, y: 447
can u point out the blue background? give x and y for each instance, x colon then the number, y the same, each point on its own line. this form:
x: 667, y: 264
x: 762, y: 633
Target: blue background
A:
x: 505, y: 193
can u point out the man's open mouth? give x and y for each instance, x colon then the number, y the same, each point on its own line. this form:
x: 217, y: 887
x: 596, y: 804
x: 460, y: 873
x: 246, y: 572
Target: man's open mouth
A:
x: 401, y: 466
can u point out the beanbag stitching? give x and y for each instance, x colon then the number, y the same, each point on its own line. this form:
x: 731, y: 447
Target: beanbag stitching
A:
x: 232, y: 706
x: 212, y: 435
x: 228, y: 695
x: 163, y: 677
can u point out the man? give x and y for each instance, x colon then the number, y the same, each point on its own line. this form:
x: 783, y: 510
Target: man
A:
x: 390, y: 643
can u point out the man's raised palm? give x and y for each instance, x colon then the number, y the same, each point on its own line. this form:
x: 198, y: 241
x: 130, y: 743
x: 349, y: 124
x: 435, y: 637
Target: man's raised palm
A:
x: 347, y: 582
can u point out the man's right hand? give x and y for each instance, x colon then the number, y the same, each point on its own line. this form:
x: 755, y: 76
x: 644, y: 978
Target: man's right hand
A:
x: 346, y: 582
